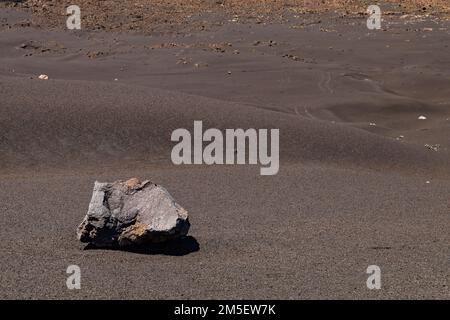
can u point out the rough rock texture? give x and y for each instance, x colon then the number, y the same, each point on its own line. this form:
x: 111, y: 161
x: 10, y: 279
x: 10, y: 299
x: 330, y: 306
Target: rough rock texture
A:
x: 132, y: 213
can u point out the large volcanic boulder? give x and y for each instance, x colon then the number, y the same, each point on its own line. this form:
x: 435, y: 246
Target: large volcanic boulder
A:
x: 132, y: 213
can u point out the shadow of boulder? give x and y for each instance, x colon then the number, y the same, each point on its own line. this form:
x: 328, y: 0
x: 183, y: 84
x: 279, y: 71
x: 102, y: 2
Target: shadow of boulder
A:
x: 177, y: 247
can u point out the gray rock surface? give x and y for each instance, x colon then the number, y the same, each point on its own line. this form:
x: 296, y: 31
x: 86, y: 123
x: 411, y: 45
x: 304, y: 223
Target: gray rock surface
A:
x: 132, y: 212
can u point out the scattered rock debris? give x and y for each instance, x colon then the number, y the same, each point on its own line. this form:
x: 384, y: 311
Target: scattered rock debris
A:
x: 434, y: 147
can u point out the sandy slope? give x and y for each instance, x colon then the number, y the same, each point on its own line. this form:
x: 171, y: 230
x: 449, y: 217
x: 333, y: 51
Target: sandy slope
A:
x: 348, y: 194
x: 52, y: 124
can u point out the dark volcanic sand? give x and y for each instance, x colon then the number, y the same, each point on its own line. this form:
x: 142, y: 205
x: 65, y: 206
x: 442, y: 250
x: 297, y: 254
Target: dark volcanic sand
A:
x: 348, y: 194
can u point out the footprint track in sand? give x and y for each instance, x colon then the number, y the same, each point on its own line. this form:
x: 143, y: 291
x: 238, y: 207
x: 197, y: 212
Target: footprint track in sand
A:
x: 324, y: 83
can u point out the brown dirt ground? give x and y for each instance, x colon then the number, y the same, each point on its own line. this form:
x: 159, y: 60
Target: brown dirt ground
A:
x: 150, y: 15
